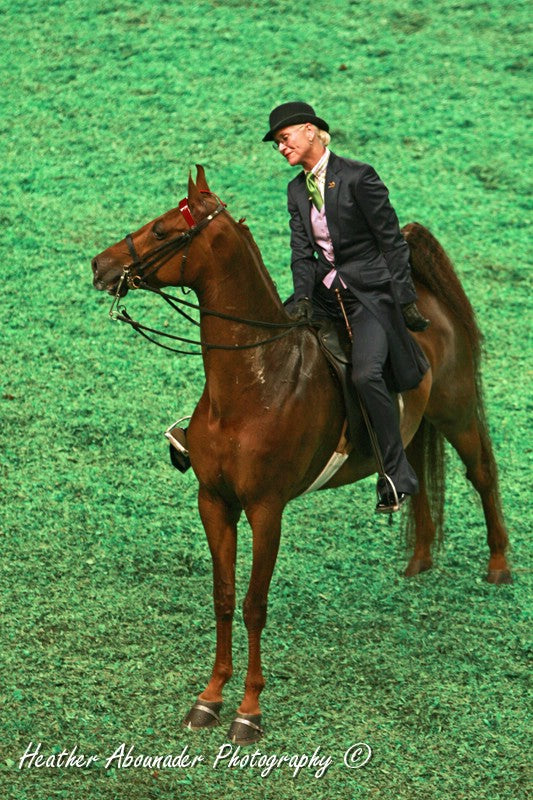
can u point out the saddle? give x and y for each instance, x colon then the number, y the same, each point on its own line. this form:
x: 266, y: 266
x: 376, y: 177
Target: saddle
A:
x: 335, y: 343
x: 336, y: 346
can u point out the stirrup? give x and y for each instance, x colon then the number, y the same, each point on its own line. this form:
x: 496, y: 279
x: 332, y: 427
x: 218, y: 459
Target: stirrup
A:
x: 390, y: 493
x: 393, y: 506
x: 179, y: 454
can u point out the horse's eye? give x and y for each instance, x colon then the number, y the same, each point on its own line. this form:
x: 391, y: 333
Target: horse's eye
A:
x: 158, y: 232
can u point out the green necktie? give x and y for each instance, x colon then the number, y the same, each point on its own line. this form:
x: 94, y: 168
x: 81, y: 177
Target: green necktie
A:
x: 314, y: 191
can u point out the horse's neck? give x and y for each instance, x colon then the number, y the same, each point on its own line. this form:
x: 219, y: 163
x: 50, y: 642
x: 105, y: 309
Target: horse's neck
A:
x: 238, y: 284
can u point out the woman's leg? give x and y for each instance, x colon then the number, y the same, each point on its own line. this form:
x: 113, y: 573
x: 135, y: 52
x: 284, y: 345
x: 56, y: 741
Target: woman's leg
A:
x: 369, y: 354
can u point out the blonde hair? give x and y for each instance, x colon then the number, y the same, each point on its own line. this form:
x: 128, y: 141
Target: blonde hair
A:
x: 324, y: 136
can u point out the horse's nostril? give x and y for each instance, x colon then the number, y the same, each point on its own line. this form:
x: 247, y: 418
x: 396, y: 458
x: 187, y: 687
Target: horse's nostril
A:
x: 94, y: 264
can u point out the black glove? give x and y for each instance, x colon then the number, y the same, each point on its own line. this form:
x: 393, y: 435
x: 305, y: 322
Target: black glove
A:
x: 413, y: 318
x: 303, y: 310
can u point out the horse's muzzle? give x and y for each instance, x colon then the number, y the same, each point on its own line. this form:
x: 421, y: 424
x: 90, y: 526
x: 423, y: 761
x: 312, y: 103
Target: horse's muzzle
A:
x: 106, y: 276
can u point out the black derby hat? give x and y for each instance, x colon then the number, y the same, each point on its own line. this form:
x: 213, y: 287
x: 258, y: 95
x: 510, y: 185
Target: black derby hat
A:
x: 292, y: 114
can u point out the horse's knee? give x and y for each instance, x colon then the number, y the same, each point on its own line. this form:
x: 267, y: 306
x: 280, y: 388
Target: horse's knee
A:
x: 223, y: 614
x: 225, y: 607
x: 254, y: 614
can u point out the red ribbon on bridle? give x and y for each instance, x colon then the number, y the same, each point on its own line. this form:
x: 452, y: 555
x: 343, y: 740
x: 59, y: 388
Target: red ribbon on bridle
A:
x: 183, y: 206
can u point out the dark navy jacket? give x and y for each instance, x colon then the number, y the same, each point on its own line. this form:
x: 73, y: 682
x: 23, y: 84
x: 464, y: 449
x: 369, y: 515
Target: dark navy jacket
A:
x: 371, y: 255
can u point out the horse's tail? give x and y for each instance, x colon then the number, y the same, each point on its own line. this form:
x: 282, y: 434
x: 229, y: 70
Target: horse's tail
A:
x: 432, y: 268
x: 432, y: 456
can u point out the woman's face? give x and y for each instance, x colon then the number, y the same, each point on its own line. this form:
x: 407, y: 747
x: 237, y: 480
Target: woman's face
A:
x: 298, y: 144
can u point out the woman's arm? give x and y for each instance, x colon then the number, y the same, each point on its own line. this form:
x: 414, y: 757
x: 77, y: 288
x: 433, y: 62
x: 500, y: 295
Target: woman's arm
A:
x: 373, y: 199
x: 303, y: 260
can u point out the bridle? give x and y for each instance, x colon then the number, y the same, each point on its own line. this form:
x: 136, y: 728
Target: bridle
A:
x: 135, y: 273
x: 158, y: 256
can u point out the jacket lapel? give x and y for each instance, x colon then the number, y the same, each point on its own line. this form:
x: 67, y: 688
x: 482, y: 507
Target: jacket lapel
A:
x: 303, y: 205
x: 331, y: 199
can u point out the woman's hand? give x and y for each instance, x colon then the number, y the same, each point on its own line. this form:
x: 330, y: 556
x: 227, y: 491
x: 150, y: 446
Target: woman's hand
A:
x: 303, y: 310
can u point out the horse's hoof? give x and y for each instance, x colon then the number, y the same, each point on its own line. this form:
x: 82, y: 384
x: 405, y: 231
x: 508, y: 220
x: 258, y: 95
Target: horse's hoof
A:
x: 499, y: 576
x: 203, y: 714
x: 416, y: 566
x: 246, y: 729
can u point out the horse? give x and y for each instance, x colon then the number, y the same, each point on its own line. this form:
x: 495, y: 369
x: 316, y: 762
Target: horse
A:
x: 252, y: 442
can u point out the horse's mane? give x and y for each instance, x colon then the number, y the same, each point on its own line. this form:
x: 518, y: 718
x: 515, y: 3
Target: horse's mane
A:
x: 246, y: 233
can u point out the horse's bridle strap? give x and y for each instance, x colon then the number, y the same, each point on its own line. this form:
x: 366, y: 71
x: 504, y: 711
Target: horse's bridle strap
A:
x: 133, y: 252
x: 186, y: 212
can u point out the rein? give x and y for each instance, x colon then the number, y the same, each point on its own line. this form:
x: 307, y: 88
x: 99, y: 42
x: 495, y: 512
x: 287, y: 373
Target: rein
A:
x: 156, y: 258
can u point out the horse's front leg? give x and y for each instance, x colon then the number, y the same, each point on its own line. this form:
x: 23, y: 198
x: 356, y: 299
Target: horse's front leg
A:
x: 220, y: 523
x: 265, y: 520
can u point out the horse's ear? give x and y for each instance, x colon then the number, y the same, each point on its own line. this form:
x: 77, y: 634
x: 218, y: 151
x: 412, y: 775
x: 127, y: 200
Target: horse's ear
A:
x: 193, y: 193
x: 201, y: 182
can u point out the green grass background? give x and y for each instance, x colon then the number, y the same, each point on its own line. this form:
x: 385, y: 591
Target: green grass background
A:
x: 107, y: 629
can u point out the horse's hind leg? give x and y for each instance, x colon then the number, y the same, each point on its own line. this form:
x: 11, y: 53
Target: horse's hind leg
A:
x: 424, y: 526
x: 220, y: 523
x: 474, y: 447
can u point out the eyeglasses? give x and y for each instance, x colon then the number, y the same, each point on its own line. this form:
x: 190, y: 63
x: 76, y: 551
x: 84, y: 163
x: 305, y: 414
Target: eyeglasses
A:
x: 286, y: 136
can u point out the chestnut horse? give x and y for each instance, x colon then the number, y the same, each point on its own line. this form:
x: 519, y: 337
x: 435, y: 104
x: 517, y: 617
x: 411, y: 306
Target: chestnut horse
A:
x: 271, y: 413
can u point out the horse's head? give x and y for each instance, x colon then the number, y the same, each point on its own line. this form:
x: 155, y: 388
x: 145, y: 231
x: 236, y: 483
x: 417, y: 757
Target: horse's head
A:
x: 154, y: 254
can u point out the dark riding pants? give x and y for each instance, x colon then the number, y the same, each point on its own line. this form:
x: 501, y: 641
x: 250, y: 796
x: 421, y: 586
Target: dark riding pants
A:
x: 369, y: 355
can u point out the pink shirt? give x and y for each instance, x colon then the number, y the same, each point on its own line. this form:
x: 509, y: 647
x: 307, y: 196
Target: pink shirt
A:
x: 319, y: 223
